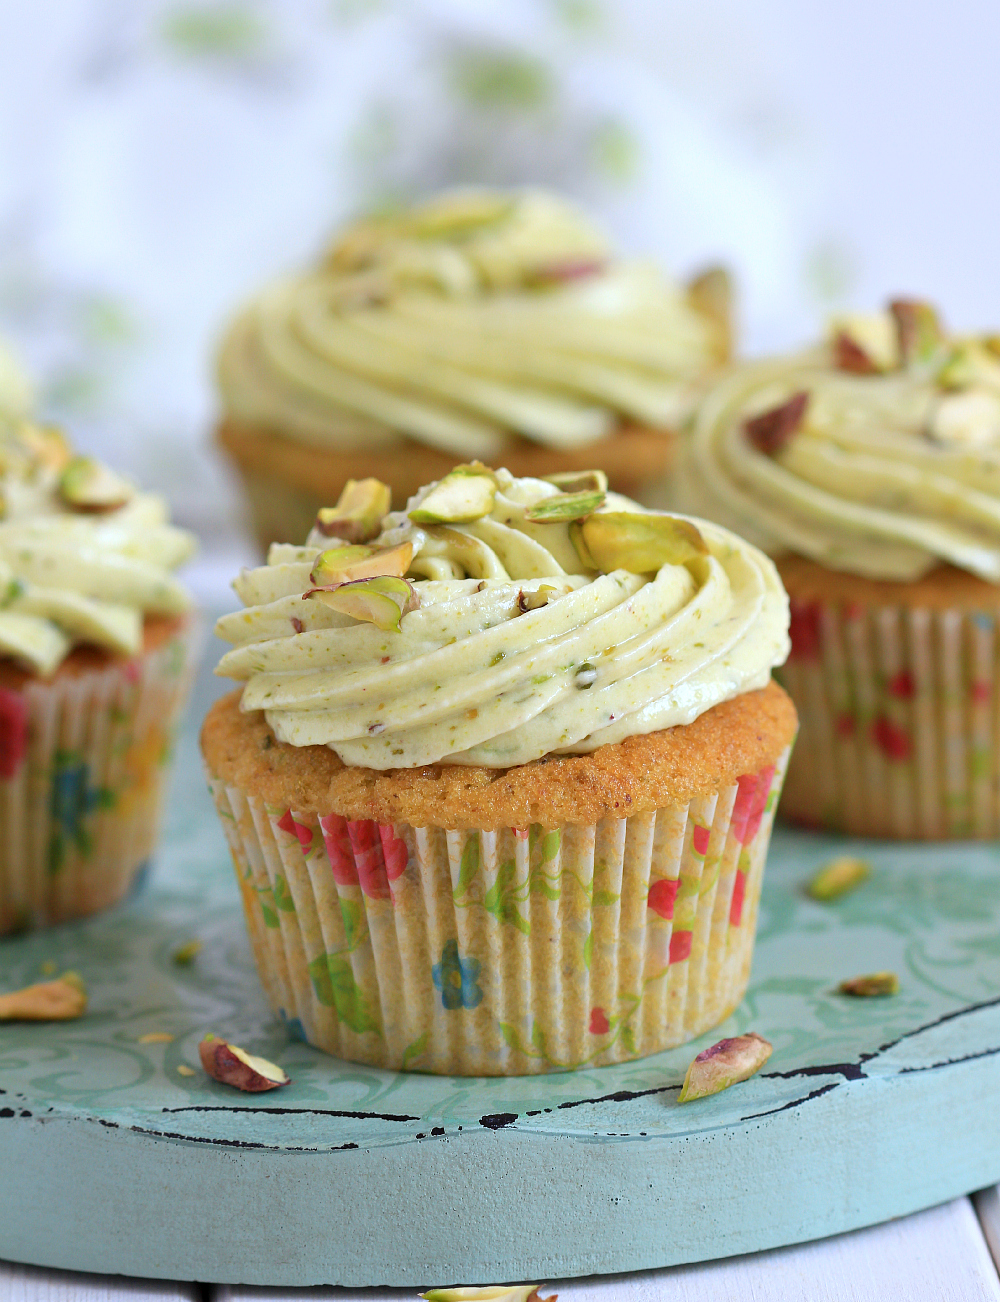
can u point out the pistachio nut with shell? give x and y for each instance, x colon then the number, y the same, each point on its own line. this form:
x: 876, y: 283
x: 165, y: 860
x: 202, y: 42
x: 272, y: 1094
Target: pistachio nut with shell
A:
x: 382, y: 600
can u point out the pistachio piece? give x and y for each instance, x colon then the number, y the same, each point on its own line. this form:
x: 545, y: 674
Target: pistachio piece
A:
x: 49, y: 1001
x: 839, y: 876
x: 534, y: 600
x: 971, y: 416
x: 864, y: 342
x: 711, y: 294
x: 156, y: 1037
x: 565, y: 507
x: 494, y: 1293
x: 724, y: 1064
x: 579, y: 481
x: 230, y: 1065
x: 771, y: 430
x: 50, y: 445
x: 848, y: 355
x: 640, y: 542
x: 184, y: 1070
x: 465, y: 494
x: 970, y: 363
x: 184, y: 955
x: 359, y: 512
x: 381, y: 601
x: 918, y: 329
x: 345, y: 564
x: 87, y: 485
x: 873, y: 985
x: 580, y: 546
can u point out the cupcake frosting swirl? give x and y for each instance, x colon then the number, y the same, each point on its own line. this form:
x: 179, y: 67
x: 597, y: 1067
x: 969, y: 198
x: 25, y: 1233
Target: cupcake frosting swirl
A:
x: 516, y: 650
x: 463, y: 321
x: 83, y: 555
x: 877, y: 453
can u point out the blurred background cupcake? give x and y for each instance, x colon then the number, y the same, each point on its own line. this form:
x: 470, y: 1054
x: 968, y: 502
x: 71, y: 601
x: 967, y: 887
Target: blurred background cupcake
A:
x: 870, y: 467
x: 95, y: 660
x: 499, y: 785
x: 478, y: 325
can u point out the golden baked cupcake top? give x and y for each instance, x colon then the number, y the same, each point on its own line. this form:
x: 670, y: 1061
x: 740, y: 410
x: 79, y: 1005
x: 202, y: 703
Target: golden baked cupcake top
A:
x: 467, y: 319
x: 84, y: 556
x: 876, y: 453
x: 498, y: 620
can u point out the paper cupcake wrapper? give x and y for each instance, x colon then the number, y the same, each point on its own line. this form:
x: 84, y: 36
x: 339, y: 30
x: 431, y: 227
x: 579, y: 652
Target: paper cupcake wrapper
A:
x: 83, y: 762
x: 503, y: 952
x: 899, y: 721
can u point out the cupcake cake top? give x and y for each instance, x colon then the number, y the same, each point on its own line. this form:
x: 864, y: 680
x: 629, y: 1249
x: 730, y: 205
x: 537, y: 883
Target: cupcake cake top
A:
x: 876, y: 453
x: 498, y: 620
x: 83, y: 555
x: 468, y: 319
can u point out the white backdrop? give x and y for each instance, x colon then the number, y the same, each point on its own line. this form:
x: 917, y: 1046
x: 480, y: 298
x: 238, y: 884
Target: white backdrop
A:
x: 160, y: 158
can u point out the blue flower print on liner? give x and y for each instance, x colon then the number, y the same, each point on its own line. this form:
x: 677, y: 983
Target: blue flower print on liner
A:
x: 456, y: 977
x: 294, y: 1027
x: 72, y: 801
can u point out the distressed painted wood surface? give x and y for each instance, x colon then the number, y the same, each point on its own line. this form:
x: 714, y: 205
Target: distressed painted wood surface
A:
x: 939, y: 1255
x: 868, y: 1108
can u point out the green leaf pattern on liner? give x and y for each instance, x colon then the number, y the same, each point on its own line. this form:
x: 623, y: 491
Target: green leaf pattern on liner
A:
x: 336, y: 987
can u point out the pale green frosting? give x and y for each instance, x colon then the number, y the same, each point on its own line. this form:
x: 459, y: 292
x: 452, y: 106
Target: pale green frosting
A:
x: 461, y: 322
x: 70, y: 576
x: 472, y: 677
x: 888, y: 474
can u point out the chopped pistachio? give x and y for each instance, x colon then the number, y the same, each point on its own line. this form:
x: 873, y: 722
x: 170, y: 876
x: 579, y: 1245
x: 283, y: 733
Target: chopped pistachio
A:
x: 579, y: 481
x: 87, y: 485
x: 848, y: 355
x: 382, y: 600
x: 359, y: 512
x: 970, y: 417
x: 184, y: 1070
x: 60, y: 1000
x: 919, y: 331
x: 48, y: 444
x: 872, y: 985
x: 585, y: 677
x: 839, y: 876
x: 640, y: 542
x: 534, y: 600
x: 711, y: 294
x: 771, y: 430
x: 185, y: 954
x: 156, y: 1037
x: 565, y: 507
x: 345, y: 564
x: 724, y: 1064
x: 231, y: 1065
x: 463, y: 495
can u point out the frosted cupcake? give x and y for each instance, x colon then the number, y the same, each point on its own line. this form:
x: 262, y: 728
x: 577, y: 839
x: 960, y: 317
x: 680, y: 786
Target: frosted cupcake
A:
x: 501, y: 779
x: 870, y: 467
x: 94, y: 660
x: 479, y: 324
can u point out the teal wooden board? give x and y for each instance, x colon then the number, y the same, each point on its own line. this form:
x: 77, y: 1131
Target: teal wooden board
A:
x: 111, y: 1161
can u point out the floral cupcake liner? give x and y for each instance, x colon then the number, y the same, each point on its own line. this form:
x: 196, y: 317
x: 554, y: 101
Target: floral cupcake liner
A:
x: 83, y: 763
x: 504, y: 952
x: 899, y: 721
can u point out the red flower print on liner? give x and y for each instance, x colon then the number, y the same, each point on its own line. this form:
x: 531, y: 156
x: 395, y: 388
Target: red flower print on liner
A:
x: 892, y: 740
x: 599, y: 1024
x: 288, y: 824
x: 736, y: 903
x: 751, y: 801
x: 364, y: 853
x: 700, y: 838
x: 901, y: 685
x: 845, y: 725
x: 804, y: 630
x: 980, y: 692
x: 680, y: 946
x: 662, y: 895
x: 132, y: 671
x: 13, y: 733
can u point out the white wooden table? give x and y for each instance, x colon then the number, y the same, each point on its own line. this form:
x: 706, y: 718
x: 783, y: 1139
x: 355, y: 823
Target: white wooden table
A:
x: 950, y: 1253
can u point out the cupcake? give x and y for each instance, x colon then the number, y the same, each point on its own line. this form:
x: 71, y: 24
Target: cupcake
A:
x: 499, y: 785
x: 869, y: 468
x: 95, y: 634
x: 480, y: 324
